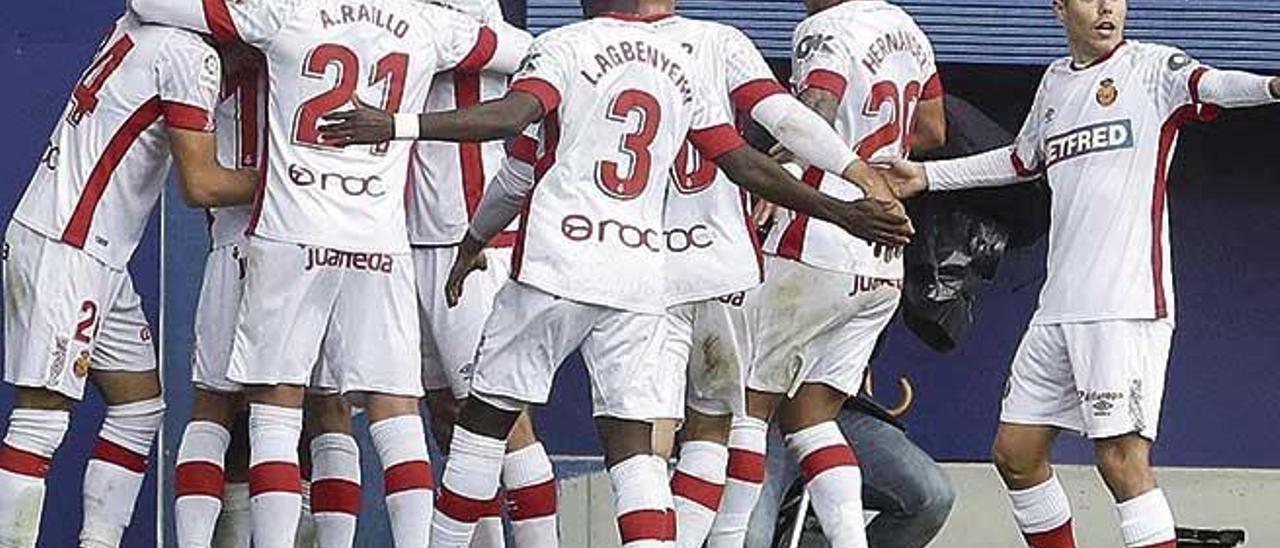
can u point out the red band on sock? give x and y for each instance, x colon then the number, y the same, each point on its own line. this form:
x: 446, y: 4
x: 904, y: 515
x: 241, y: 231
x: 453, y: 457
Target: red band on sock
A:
x: 643, y: 525
x: 274, y: 477
x: 199, y: 479
x: 827, y: 458
x: 532, y: 502
x: 335, y: 496
x: 703, y: 492
x: 109, y: 452
x: 412, y: 474
x: 463, y: 509
x: 746, y: 465
x: 1059, y: 537
x: 22, y: 462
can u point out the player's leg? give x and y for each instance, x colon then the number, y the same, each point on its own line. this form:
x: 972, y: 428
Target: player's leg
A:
x: 400, y: 439
x: 530, y: 485
x: 200, y: 474
x: 630, y: 388
x: 284, y: 316
x: 1120, y: 369
x: 699, y: 480
x: 235, y: 523
x: 55, y: 298
x: 335, y: 469
x: 1040, y: 400
x: 526, y: 338
x: 745, y: 475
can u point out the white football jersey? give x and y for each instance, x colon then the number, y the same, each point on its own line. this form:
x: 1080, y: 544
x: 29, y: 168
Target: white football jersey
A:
x: 1105, y: 136
x: 241, y: 119
x: 450, y: 178
x: 874, y: 57
x: 621, y: 99
x: 320, y: 55
x: 713, y: 245
x: 108, y: 158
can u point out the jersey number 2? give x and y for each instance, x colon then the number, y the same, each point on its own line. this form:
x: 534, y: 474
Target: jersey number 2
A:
x: 634, y: 145
x: 392, y: 69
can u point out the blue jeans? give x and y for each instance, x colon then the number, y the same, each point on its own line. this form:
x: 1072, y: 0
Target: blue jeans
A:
x: 899, y: 480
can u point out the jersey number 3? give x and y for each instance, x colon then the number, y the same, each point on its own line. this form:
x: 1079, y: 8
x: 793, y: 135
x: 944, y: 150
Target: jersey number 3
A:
x: 392, y: 69
x: 634, y: 145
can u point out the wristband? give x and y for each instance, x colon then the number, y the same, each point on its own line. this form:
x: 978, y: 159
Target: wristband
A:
x: 405, y: 127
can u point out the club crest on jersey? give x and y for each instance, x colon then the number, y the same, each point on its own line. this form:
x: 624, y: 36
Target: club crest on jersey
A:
x: 1103, y: 137
x: 1108, y: 93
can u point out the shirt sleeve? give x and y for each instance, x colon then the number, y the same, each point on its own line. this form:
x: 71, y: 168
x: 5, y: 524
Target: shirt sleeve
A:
x: 190, y: 77
x: 544, y: 72
x: 820, y: 59
x: 1026, y: 155
x: 253, y: 21
x: 711, y: 130
x: 1177, y: 78
x: 509, y: 190
x: 932, y: 83
x: 748, y: 77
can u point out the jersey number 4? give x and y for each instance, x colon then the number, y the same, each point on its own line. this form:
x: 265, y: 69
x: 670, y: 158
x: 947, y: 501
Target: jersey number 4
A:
x: 635, y: 145
x: 391, y: 70
x: 84, y: 100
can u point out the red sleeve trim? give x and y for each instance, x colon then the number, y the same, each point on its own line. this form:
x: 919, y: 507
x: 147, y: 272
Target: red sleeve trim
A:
x: 1194, y: 82
x: 481, y: 53
x: 716, y: 141
x: 1021, y: 168
x: 748, y: 95
x: 218, y: 18
x: 183, y: 116
x: 932, y: 88
x: 546, y: 93
x: 525, y: 149
x: 826, y: 80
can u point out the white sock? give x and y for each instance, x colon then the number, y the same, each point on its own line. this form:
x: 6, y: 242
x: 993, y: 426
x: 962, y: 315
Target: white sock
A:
x: 235, y: 524
x: 1043, y: 514
x: 468, y: 487
x: 1146, y: 521
x: 306, y: 536
x: 33, y: 436
x: 834, y: 482
x: 643, y: 502
x: 745, y: 478
x: 489, y: 533
x: 406, y: 477
x: 200, y: 482
x: 115, y: 472
x: 335, y: 489
x: 275, y: 482
x: 698, y: 486
x: 530, y: 483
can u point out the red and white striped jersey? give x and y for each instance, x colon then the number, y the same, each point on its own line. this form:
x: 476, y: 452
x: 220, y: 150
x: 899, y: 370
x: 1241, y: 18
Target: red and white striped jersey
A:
x: 712, y: 242
x: 108, y: 157
x: 874, y: 57
x: 320, y: 55
x: 1105, y: 136
x: 450, y: 178
x: 620, y: 101
x: 241, y: 119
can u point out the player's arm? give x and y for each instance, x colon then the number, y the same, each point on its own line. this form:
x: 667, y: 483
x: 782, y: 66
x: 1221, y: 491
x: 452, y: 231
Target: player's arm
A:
x: 252, y: 21
x: 873, y: 220
x: 499, y: 119
x: 467, y: 46
x: 203, y: 181
x: 1234, y: 88
x: 929, y: 129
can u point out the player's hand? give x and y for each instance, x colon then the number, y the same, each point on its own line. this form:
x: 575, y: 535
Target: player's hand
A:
x: 362, y: 125
x: 763, y: 212
x: 470, y: 259
x: 905, y: 177
x: 880, y: 222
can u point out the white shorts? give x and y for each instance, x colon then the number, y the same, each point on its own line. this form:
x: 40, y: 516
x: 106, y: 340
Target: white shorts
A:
x: 67, y: 313
x: 450, y: 336
x: 707, y: 354
x: 215, y: 321
x: 302, y: 303
x: 816, y: 326
x: 531, y: 332
x: 1102, y: 379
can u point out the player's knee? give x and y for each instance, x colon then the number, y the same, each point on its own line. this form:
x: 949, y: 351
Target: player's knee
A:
x: 134, y: 425
x: 39, y: 398
x: 624, y: 439
x: 701, y: 427
x: 1124, y: 459
x: 489, y: 415
x: 522, y: 434
x: 328, y: 414
x: 1019, y: 466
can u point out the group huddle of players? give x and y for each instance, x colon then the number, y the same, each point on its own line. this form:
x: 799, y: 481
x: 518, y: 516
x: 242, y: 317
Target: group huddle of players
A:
x: 585, y: 191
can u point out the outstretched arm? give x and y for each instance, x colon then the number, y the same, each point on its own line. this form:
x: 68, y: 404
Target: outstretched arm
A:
x: 876, y: 221
x: 493, y: 120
